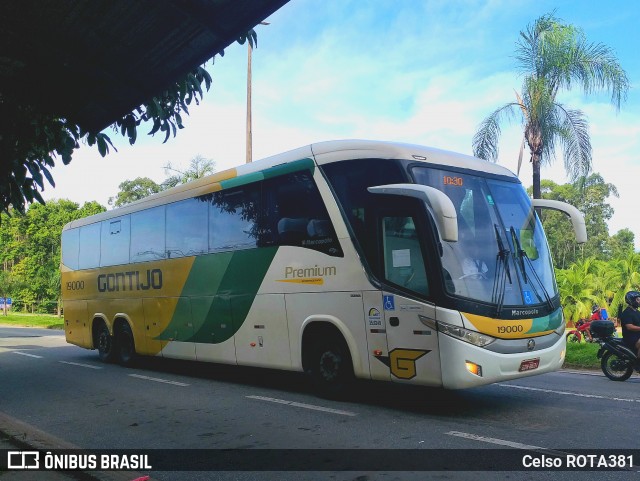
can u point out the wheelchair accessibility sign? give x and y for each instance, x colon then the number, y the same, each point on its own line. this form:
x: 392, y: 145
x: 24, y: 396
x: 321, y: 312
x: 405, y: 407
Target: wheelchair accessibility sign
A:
x: 389, y: 303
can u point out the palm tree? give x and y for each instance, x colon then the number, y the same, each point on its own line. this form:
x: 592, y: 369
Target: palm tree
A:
x: 554, y: 56
x: 576, y: 294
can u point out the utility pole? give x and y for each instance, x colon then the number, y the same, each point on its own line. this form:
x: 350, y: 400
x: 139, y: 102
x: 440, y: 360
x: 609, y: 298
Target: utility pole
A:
x: 249, y: 131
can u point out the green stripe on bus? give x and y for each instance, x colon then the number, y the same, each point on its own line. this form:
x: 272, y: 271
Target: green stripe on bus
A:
x: 547, y: 323
x: 298, y: 165
x: 221, y: 289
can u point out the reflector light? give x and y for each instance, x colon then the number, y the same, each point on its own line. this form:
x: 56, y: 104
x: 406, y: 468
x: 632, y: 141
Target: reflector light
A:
x: 377, y: 352
x: 474, y: 368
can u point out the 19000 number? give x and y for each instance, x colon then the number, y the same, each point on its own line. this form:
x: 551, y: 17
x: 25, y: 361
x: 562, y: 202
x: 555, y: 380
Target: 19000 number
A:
x: 75, y: 285
x: 509, y: 329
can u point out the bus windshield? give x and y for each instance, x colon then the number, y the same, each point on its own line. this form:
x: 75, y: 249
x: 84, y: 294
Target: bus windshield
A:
x: 501, y: 255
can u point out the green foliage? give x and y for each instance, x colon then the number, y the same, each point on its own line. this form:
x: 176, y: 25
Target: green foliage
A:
x: 590, y: 196
x: 132, y: 190
x: 30, y: 250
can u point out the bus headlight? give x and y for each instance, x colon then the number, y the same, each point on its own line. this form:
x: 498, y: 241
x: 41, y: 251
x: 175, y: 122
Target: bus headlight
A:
x: 472, y: 337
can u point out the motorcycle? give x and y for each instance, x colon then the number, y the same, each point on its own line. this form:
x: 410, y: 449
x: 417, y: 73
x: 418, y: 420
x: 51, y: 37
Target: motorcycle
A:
x: 580, y: 331
x: 617, y: 361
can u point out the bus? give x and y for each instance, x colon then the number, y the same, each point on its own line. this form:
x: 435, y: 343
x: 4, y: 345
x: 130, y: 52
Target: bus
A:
x: 342, y: 259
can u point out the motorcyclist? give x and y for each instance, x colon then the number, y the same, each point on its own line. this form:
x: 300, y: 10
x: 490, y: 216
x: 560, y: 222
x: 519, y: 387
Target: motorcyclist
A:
x: 630, y: 320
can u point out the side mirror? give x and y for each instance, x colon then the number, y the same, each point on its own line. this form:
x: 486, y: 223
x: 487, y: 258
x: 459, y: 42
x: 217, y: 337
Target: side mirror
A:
x: 577, y: 219
x: 438, y: 203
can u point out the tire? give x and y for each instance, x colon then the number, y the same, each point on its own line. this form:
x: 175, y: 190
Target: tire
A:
x: 126, y: 348
x: 572, y: 337
x: 615, y: 367
x: 331, y: 367
x: 105, y: 343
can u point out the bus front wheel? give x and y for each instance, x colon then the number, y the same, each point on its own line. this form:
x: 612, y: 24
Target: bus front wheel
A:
x: 125, y: 344
x: 331, y: 368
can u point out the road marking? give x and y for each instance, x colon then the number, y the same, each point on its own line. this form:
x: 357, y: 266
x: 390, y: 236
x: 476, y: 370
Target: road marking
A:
x: 156, y: 379
x: 500, y: 442
x: 25, y: 354
x: 81, y: 365
x: 303, y: 405
x: 567, y: 393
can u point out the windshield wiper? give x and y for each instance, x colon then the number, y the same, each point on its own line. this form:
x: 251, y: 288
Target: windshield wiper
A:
x: 502, y: 272
x: 522, y: 256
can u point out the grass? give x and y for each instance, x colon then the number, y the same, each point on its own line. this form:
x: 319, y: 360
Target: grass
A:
x: 582, y: 355
x: 21, y: 319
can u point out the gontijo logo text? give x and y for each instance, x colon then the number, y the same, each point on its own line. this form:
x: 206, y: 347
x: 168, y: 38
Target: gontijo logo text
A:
x: 130, y: 281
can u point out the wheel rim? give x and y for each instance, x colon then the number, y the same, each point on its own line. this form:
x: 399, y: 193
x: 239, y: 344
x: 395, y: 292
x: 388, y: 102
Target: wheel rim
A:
x: 617, y: 366
x: 330, y: 364
x: 104, y: 341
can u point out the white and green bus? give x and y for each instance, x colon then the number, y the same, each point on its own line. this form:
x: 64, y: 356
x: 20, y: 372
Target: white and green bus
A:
x: 342, y: 259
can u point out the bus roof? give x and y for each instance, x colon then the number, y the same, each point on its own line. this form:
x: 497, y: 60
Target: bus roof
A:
x: 322, y: 153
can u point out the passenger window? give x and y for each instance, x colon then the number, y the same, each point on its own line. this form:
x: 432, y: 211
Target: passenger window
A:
x: 403, y: 261
x: 187, y: 233
x: 233, y: 218
x: 147, y: 235
x: 114, y: 245
x: 70, y: 247
x: 89, y: 256
x: 295, y: 215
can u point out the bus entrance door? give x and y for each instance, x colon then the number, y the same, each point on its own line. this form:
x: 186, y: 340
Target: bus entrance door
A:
x: 413, y: 345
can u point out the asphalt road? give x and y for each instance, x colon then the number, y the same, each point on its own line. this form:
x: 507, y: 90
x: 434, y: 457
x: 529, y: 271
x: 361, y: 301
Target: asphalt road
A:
x: 67, y: 392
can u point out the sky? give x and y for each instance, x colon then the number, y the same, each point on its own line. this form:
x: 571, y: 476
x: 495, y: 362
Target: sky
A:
x: 418, y: 71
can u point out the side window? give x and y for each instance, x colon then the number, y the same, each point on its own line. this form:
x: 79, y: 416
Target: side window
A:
x: 403, y: 261
x: 114, y: 245
x: 89, y: 256
x: 295, y: 215
x: 147, y: 235
x: 70, y: 246
x: 234, y: 218
x: 187, y: 232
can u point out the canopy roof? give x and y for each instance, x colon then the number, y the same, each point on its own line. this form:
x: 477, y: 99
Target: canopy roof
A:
x: 92, y: 61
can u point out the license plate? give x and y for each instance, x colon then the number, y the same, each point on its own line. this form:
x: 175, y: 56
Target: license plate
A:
x: 529, y: 364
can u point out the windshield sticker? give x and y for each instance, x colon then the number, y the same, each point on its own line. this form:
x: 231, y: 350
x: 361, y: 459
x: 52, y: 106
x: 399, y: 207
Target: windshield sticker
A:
x: 401, y: 258
x: 528, y: 298
x: 490, y: 199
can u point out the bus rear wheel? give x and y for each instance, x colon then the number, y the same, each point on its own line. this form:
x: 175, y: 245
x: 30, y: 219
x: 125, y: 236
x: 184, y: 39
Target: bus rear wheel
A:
x: 104, y: 342
x: 126, y: 349
x: 331, y: 367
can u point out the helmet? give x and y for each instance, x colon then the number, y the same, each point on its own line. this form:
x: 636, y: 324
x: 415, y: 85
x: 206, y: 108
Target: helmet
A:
x: 630, y: 298
x: 594, y: 308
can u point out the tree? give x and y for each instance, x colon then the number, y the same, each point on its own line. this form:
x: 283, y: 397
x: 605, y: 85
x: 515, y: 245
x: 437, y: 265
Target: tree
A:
x: 554, y: 56
x: 30, y: 248
x: 621, y: 244
x: 132, y: 190
x: 590, y: 197
x: 198, y: 167
x: 32, y: 141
